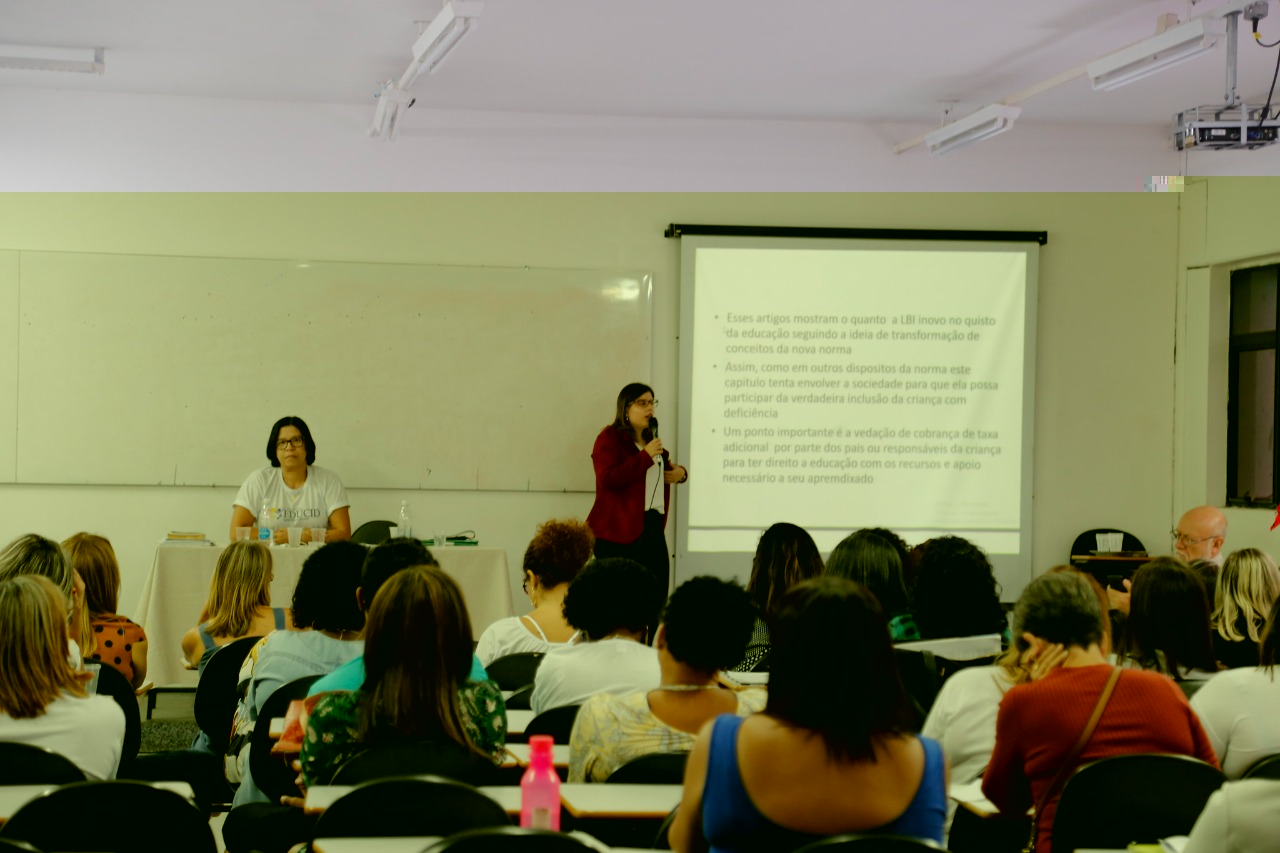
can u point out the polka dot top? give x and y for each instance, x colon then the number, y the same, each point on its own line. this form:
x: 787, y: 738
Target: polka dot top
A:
x: 115, y: 636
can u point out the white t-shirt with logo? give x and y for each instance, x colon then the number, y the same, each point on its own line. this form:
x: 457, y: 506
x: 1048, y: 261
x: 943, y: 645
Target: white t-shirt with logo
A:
x: 309, y: 506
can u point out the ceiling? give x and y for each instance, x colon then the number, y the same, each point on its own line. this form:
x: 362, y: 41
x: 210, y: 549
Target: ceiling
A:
x: 879, y: 61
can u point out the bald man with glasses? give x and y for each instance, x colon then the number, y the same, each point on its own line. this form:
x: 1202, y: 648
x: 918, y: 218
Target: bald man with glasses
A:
x: 1200, y: 535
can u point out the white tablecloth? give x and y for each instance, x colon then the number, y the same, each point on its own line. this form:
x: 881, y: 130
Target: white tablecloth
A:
x: 178, y: 585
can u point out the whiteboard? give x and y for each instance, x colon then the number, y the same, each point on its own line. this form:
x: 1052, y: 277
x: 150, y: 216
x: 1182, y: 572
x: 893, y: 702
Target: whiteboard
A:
x: 171, y: 370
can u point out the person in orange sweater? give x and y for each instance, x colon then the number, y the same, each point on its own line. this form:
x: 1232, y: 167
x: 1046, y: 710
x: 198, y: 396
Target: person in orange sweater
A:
x: 1059, y: 616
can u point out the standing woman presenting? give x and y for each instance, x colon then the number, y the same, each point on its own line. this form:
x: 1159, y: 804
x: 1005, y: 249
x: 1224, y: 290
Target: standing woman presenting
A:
x: 306, y: 495
x: 633, y: 485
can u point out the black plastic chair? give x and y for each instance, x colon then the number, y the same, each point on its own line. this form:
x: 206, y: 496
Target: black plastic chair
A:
x: 373, y: 532
x: 1088, y: 541
x: 450, y: 760
x: 512, y: 672
x: 1113, y: 802
x: 24, y: 764
x: 659, y: 768
x: 919, y: 673
x: 519, y: 701
x: 216, y: 695
x: 868, y: 844
x: 502, y: 838
x: 111, y: 683
x: 71, y: 818
x: 1267, y: 767
x: 409, y: 806
x: 273, y: 775
x: 557, y: 722
x: 662, y: 841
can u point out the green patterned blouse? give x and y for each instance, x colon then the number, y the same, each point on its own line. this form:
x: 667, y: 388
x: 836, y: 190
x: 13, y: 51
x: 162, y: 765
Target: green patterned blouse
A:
x: 330, y: 738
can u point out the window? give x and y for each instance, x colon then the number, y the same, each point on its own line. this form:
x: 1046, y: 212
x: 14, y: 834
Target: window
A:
x: 1251, y: 406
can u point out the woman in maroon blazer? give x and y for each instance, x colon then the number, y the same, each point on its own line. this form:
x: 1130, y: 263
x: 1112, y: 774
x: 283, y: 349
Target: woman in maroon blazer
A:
x: 633, y: 492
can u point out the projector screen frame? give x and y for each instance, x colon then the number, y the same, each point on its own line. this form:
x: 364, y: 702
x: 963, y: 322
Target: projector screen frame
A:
x: 1013, y: 571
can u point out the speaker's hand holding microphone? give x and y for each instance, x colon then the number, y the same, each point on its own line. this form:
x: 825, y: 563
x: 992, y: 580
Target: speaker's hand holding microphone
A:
x: 654, y: 447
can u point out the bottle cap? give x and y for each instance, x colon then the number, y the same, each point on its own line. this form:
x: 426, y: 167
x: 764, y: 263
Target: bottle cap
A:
x: 540, y: 745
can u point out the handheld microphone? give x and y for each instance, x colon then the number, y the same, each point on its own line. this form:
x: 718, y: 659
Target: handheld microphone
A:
x: 653, y: 427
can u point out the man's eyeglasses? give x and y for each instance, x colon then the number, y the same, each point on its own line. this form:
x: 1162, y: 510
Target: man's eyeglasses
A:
x: 1180, y: 538
x: 286, y: 443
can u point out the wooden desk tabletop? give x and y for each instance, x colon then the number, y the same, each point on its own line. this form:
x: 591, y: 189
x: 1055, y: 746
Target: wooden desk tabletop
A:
x: 517, y: 721
x: 519, y: 755
x: 593, y: 799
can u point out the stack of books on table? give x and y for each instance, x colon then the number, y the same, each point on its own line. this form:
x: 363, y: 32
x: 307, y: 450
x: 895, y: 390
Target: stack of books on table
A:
x: 177, y: 537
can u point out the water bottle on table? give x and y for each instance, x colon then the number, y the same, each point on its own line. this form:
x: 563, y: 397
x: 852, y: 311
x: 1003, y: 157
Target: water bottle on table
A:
x: 540, y: 788
x: 406, y: 525
x: 266, y: 524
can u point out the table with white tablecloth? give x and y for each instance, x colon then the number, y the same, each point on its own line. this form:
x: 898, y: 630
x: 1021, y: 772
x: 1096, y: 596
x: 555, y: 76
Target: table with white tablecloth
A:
x: 178, y: 585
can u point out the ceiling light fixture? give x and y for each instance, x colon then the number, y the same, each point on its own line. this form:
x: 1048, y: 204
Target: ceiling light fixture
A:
x: 983, y: 124
x: 86, y: 60
x: 1171, y: 47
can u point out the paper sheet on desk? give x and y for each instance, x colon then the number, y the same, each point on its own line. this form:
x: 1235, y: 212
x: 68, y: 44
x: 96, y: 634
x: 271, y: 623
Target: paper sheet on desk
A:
x: 971, y: 794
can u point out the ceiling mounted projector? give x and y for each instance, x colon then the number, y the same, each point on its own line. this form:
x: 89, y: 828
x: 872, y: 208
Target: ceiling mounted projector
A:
x: 983, y: 124
x: 85, y: 60
x: 1223, y: 128
x: 1171, y: 47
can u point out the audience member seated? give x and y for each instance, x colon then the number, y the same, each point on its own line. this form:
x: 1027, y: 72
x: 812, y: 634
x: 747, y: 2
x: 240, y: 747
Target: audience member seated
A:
x: 239, y: 603
x: 612, y: 603
x: 963, y: 717
x: 956, y: 594
x: 705, y: 626
x: 1168, y: 626
x: 1238, y: 708
x: 33, y: 554
x: 553, y: 559
x: 833, y: 750
x: 1200, y: 534
x: 1247, y: 587
x: 381, y: 563
x: 1240, y: 817
x: 112, y: 639
x: 785, y: 555
x: 1039, y: 723
x: 867, y: 558
x: 329, y: 624
x: 42, y: 701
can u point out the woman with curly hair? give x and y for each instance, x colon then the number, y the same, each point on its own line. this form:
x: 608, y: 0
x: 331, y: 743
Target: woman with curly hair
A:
x: 956, y: 591
x: 553, y: 559
x: 785, y: 555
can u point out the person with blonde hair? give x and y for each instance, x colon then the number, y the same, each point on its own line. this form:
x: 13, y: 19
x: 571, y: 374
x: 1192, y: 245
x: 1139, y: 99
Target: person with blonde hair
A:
x: 42, y: 701
x: 33, y: 554
x: 239, y: 603
x: 1247, y: 587
x: 106, y: 636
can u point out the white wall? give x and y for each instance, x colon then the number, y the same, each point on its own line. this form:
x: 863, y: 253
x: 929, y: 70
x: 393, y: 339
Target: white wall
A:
x: 62, y: 140
x: 1103, y: 378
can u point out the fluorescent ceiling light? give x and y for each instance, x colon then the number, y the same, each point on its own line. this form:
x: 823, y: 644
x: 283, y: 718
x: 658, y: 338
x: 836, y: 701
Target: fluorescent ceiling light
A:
x: 1174, y: 45
x: 985, y: 123
x: 441, y: 36
x: 87, y: 60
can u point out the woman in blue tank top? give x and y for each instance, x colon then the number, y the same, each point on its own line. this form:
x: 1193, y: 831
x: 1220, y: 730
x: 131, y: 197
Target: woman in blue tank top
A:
x: 834, y: 750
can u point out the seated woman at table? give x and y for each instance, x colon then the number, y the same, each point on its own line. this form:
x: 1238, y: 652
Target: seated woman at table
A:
x: 785, y: 555
x: 1168, y: 626
x: 115, y: 640
x: 33, y: 554
x: 612, y: 602
x: 704, y: 627
x: 833, y: 750
x: 1247, y: 586
x: 866, y: 558
x: 239, y: 603
x: 328, y: 621
x: 956, y: 593
x: 417, y: 659
x: 42, y: 701
x: 1039, y: 723
x: 553, y: 559
x: 304, y: 494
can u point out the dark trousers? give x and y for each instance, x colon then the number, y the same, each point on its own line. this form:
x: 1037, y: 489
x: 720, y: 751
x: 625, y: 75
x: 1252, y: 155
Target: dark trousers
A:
x: 650, y: 551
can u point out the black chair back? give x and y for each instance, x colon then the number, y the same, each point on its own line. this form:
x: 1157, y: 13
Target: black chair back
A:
x: 14, y: 846
x: 519, y: 701
x: 61, y: 820
x: 868, y: 844
x: 24, y: 764
x: 450, y: 760
x: 408, y: 806
x: 946, y: 667
x: 1088, y: 541
x: 512, y: 672
x: 373, y: 532
x: 919, y: 672
x: 662, y: 841
x: 1267, y: 767
x: 216, y: 694
x: 659, y: 768
x: 112, y: 683
x: 1113, y: 802
x: 502, y: 838
x: 557, y: 722
x: 272, y: 774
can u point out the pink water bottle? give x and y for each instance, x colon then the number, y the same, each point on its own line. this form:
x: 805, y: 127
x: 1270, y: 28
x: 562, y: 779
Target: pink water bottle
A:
x: 540, y: 788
